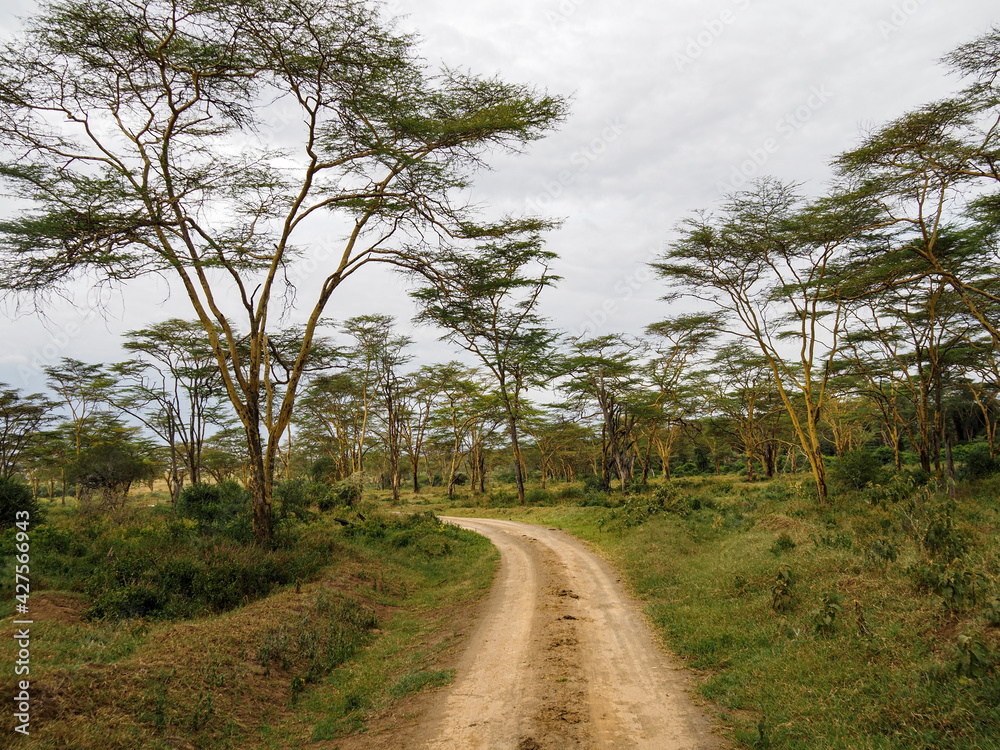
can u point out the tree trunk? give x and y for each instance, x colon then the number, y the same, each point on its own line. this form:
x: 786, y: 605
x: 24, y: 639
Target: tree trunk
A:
x: 516, y: 448
x: 260, y: 483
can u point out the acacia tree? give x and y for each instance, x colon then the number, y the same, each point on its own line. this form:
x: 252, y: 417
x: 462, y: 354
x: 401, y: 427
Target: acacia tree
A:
x: 770, y: 265
x: 380, y: 351
x: 487, y: 303
x: 932, y: 176
x: 418, y: 399
x: 140, y: 133
x: 743, y: 400
x: 21, y: 418
x: 605, y: 372
x: 172, y: 385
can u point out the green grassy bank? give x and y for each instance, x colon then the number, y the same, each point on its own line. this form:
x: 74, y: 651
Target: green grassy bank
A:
x: 867, y: 622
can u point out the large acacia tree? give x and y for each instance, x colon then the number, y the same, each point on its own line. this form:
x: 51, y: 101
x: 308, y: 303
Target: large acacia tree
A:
x: 204, y: 140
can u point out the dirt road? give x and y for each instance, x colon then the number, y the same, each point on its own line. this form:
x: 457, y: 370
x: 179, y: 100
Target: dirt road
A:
x: 560, y: 659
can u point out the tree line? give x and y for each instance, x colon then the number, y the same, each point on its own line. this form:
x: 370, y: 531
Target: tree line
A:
x: 155, y: 138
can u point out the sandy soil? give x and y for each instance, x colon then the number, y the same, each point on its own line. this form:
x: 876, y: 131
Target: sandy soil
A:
x: 560, y: 657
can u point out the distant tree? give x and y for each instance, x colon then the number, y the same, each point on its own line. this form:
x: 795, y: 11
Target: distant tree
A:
x: 381, y: 351
x: 112, y: 459
x: 743, y: 401
x: 771, y: 267
x: 418, y: 400
x: 488, y: 304
x: 174, y: 388
x: 605, y: 373
x: 458, y: 404
x: 21, y: 419
x: 84, y: 389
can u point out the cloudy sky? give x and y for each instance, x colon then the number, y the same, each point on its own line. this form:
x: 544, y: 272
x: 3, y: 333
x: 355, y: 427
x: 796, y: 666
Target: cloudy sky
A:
x: 673, y: 105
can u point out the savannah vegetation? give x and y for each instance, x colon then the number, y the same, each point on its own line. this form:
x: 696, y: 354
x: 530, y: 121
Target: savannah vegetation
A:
x: 796, y: 467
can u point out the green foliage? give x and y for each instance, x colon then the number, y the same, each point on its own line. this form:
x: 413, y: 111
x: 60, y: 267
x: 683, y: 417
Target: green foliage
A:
x: 943, y: 540
x: 972, y: 657
x: 856, y: 470
x: 330, y: 631
x: 958, y: 584
x: 783, y: 543
x: 783, y: 596
x: 881, y: 550
x: 160, y: 572
x: 223, y: 508
x: 538, y: 496
x: 422, y: 532
x: 346, y: 492
x: 991, y: 611
x: 636, y: 509
x: 898, y: 488
x: 15, y: 497
x: 979, y: 464
x: 293, y: 497
x: 824, y: 618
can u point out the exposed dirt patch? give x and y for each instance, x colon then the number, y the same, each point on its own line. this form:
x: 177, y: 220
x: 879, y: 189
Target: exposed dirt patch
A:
x: 57, y: 608
x: 778, y: 522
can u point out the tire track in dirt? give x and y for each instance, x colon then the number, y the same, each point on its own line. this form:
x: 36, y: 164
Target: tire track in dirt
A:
x: 561, y: 658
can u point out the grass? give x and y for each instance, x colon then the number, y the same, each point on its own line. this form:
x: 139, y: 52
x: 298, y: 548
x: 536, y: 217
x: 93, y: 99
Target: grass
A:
x: 307, y: 660
x: 868, y: 652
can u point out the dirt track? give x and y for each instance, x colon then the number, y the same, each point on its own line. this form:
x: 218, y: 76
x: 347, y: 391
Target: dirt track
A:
x: 560, y: 658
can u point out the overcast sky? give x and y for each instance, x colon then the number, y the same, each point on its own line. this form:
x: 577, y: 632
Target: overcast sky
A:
x: 673, y: 104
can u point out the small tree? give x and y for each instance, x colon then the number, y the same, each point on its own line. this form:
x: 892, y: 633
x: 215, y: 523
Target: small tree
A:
x: 487, y: 303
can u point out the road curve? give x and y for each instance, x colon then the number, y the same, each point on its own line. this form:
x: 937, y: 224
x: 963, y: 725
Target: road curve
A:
x: 560, y: 658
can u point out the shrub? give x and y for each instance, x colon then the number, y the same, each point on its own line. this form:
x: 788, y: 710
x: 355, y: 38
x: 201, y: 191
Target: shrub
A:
x: 15, y: 497
x: 972, y: 657
x: 956, y: 583
x: 782, y: 544
x: 857, y: 470
x: 783, y: 597
x: 222, y: 508
x: 824, y: 618
x: 570, y: 492
x: 899, y: 487
x: 944, y: 541
x: 292, y: 499
x: 979, y: 464
x: 538, y: 496
x: 346, y: 492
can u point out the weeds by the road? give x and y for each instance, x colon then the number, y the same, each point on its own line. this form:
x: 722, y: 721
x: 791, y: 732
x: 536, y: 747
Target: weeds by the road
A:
x: 350, y: 620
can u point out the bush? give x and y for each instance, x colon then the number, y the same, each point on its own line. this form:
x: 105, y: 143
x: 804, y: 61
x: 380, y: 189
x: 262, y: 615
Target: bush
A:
x: 538, y: 496
x: 346, y: 492
x: 293, y: 497
x: 857, y: 470
x: 885, y: 455
x: 570, y: 492
x: 15, y: 497
x: 979, y: 464
x: 223, y: 508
